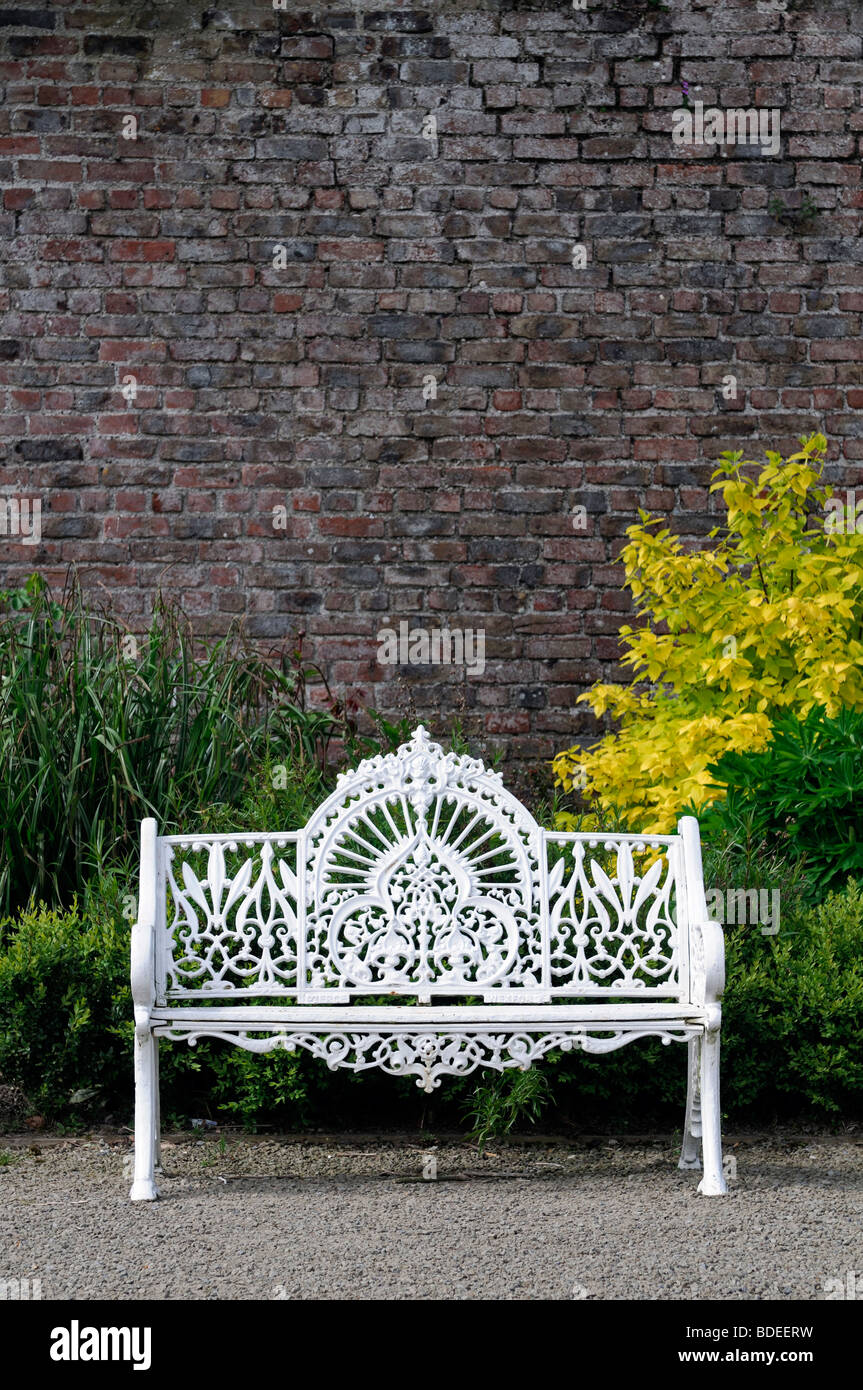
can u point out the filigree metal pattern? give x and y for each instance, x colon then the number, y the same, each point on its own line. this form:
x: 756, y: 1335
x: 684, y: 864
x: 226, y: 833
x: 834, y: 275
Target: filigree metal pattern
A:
x: 431, y: 1055
x: 612, y: 928
x: 422, y: 876
x: 229, y: 930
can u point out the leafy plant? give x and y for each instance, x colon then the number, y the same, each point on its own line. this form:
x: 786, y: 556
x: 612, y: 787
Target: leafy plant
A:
x: 248, y: 1087
x: 803, y: 793
x: 65, y: 1005
x: 793, y: 1008
x: 769, y: 619
x: 737, y: 855
x: 799, y: 219
x: 511, y: 1097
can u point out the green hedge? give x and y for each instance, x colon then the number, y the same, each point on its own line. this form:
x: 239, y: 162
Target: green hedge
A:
x: 66, y: 1008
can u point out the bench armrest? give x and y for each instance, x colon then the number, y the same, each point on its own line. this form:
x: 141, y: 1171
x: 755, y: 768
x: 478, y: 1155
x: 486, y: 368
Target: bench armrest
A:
x: 706, y: 941
x: 144, y: 932
x: 707, y: 962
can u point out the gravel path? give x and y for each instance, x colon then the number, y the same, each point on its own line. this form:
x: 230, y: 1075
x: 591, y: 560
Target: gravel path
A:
x: 261, y: 1219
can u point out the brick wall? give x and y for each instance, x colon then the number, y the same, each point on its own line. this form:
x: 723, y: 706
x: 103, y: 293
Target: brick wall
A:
x: 300, y: 378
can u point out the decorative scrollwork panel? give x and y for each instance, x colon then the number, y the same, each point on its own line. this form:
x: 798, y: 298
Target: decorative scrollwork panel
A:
x: 431, y: 1055
x: 232, y: 916
x: 613, y: 915
x: 421, y: 876
x: 422, y: 879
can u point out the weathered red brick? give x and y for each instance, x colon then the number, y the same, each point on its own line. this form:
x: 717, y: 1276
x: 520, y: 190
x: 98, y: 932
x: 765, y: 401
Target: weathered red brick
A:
x: 141, y: 250
x: 410, y: 261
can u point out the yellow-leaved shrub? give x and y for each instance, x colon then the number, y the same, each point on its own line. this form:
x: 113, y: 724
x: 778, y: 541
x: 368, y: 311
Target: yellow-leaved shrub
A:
x: 770, y: 618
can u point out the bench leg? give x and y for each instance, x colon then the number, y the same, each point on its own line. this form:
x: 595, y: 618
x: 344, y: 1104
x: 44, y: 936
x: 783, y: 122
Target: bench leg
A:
x: 713, y: 1182
x: 144, y: 1187
x: 157, y: 1126
x: 690, y: 1156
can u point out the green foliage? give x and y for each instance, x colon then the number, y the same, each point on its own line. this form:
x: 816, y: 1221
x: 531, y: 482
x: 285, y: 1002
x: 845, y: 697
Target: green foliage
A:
x: 793, y: 1013
x: 510, y: 1098
x: 800, y: 218
x: 67, y: 1032
x: 803, y: 794
x: 66, y: 1005
x: 287, y: 1091
x: 99, y: 729
x: 91, y: 740
x: 742, y: 858
x: 245, y: 1087
x: 792, y: 1031
x: 768, y: 620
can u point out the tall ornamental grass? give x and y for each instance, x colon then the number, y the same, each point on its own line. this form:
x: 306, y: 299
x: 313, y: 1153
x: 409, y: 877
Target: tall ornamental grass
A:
x: 99, y: 728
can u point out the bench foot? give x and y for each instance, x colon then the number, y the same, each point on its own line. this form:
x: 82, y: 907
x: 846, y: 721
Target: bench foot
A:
x: 144, y: 1192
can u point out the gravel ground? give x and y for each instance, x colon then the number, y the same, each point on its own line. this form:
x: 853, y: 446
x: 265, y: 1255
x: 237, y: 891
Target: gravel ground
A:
x: 326, y: 1218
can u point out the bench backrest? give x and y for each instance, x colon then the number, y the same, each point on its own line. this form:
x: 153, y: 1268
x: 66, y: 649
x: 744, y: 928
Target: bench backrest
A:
x: 421, y: 876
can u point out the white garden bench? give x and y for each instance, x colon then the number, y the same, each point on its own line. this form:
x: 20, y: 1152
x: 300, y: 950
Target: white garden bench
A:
x: 422, y: 879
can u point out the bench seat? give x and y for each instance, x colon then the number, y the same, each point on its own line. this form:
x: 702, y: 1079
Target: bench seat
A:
x: 387, y: 1015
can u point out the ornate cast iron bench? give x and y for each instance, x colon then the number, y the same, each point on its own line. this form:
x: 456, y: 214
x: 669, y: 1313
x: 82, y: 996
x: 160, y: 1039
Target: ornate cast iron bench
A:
x: 423, y: 879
